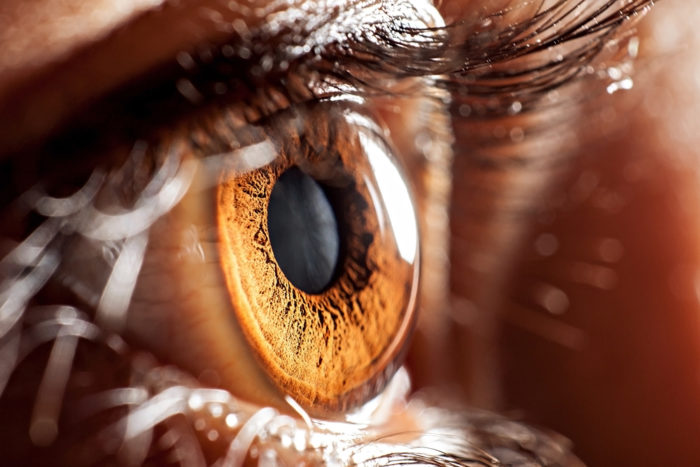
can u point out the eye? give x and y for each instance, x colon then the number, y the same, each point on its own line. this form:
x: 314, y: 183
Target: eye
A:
x: 312, y: 259
x: 319, y: 251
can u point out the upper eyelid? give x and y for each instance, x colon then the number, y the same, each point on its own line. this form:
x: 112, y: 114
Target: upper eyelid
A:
x: 50, y: 94
x: 389, y: 48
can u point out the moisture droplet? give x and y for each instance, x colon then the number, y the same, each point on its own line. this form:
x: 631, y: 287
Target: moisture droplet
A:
x: 552, y: 299
x: 515, y: 108
x: 622, y: 85
x: 220, y: 88
x: 517, y: 134
x: 231, y: 420
x: 611, y: 250
x: 216, y: 410
x: 188, y: 91
x: 633, y: 47
x: 227, y: 51
x: 244, y: 53
x: 285, y: 440
x: 195, y: 402
x: 423, y: 142
x: 300, y: 441
x: 268, y: 458
x: 185, y: 60
x: 614, y: 73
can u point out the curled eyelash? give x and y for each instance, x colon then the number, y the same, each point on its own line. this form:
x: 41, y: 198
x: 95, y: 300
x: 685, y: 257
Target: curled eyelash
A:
x: 492, y: 69
x: 492, y: 60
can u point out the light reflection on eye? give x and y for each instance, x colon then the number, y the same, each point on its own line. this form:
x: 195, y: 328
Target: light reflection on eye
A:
x: 395, y: 194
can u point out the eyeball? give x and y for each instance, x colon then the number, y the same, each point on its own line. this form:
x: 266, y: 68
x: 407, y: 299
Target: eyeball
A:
x: 319, y: 251
x: 289, y: 269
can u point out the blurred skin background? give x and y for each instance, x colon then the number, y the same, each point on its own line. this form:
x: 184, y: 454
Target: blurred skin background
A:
x: 583, y: 317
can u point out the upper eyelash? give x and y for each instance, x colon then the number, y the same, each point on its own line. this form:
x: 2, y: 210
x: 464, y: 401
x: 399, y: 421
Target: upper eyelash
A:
x: 509, y: 63
x: 501, y: 62
x: 487, y: 72
x: 478, y: 63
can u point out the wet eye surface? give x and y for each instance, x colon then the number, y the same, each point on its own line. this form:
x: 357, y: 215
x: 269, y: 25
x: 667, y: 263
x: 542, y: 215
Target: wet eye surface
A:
x: 330, y: 329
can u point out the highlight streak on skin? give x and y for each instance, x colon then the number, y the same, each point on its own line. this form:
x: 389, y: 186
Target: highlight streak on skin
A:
x: 164, y: 191
x: 116, y: 296
x: 9, y: 355
x: 47, y: 408
x: 49, y: 206
x: 546, y: 327
x: 20, y: 290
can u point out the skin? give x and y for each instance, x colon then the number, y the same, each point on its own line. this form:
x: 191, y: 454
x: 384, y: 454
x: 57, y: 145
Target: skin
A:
x: 617, y: 371
x: 633, y: 374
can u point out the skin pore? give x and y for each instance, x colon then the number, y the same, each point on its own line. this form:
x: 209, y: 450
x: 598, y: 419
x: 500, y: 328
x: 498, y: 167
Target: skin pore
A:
x: 576, y: 311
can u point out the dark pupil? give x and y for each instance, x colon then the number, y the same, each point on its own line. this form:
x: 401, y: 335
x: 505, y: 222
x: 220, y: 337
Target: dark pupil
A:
x: 303, y: 231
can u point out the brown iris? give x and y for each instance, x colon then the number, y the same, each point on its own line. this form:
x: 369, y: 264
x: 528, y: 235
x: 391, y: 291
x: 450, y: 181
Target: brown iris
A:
x: 331, y: 335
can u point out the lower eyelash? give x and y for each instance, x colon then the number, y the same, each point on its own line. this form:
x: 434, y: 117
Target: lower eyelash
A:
x: 139, y: 423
